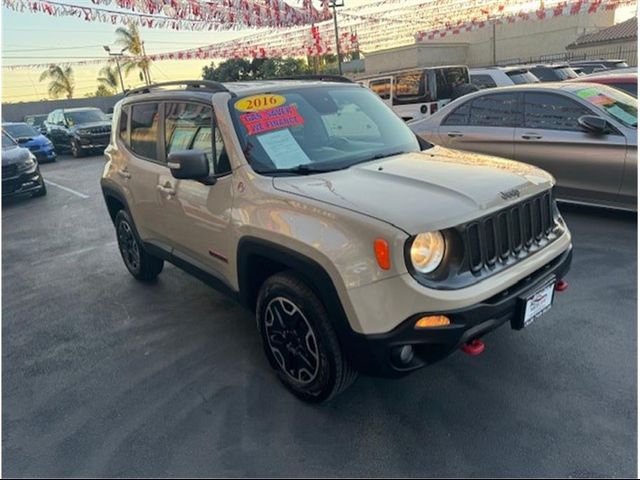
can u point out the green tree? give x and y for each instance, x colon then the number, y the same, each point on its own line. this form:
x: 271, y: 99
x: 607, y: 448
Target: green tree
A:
x: 108, y: 79
x: 231, y: 70
x: 62, y: 81
x: 259, y: 68
x: 101, y: 91
x: 130, y: 39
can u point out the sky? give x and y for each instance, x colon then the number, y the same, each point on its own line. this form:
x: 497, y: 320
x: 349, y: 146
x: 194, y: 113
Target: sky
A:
x: 29, y: 38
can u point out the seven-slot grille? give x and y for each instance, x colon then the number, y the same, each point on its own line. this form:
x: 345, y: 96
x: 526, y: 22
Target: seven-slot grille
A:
x: 509, y: 233
x: 100, y: 130
x: 10, y: 170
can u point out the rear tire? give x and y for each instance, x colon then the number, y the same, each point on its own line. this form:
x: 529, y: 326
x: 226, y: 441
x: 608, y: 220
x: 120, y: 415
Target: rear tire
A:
x: 299, y: 340
x: 141, y: 264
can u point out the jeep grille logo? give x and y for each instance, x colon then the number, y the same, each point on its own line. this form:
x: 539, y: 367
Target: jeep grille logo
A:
x: 509, y: 194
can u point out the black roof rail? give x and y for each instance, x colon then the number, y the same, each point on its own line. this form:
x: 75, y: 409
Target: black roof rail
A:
x: 198, y: 85
x: 319, y: 77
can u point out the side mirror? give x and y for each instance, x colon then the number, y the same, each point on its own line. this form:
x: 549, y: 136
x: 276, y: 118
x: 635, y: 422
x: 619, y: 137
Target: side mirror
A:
x: 189, y: 165
x: 593, y: 124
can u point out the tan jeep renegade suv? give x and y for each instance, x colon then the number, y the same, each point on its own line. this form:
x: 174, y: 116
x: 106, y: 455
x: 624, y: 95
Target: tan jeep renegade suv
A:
x: 358, y: 246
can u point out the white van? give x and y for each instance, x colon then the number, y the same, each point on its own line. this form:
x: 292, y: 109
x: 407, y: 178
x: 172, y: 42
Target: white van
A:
x: 418, y: 92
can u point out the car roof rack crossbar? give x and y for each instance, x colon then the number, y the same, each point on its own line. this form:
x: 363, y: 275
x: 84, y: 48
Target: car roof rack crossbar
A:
x: 197, y: 85
x: 319, y: 77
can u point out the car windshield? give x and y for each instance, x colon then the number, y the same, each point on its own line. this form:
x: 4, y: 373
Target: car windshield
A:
x: 21, y: 131
x: 36, y: 121
x: 320, y: 128
x: 616, y: 104
x: 7, y: 141
x: 565, y: 73
x: 522, y: 76
x: 85, y: 116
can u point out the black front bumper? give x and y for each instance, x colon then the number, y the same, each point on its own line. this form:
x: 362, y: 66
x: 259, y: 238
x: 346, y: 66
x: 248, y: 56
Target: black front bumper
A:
x: 25, y: 183
x: 374, y: 354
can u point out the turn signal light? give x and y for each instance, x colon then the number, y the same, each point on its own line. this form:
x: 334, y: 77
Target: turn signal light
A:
x: 381, y: 247
x: 433, y: 321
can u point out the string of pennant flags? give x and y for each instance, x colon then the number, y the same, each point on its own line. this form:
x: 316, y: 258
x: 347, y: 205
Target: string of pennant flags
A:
x: 371, y: 27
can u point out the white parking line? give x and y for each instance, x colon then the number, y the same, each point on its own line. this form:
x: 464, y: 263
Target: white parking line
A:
x: 67, y: 189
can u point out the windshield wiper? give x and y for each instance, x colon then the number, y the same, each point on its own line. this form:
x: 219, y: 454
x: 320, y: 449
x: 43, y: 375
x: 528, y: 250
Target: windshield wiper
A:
x: 299, y: 170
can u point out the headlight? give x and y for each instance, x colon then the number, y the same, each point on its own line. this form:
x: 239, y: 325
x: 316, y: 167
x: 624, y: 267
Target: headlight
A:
x: 427, y: 251
x: 28, y: 163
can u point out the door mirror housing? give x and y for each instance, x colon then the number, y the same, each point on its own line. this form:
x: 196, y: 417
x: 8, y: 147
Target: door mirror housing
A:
x: 593, y: 124
x: 190, y: 165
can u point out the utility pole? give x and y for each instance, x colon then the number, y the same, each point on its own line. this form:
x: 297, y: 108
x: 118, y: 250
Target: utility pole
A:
x: 117, y: 56
x: 335, y: 4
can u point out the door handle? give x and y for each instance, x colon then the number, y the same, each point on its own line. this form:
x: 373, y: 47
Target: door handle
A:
x: 454, y: 134
x: 531, y: 136
x: 167, y: 189
x: 124, y: 173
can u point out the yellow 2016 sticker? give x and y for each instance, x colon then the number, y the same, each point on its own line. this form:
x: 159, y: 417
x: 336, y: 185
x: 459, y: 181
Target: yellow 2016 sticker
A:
x: 256, y: 103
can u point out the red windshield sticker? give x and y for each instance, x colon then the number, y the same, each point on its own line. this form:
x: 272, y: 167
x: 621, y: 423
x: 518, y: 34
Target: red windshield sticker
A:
x: 274, y: 119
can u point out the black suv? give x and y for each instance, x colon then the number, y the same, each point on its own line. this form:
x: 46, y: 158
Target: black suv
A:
x: 20, y: 171
x: 80, y: 130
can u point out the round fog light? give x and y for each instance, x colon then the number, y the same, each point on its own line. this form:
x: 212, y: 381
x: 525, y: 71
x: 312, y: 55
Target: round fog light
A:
x: 403, y: 355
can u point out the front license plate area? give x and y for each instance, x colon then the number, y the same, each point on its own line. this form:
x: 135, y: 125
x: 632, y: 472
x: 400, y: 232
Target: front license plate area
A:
x: 534, y: 304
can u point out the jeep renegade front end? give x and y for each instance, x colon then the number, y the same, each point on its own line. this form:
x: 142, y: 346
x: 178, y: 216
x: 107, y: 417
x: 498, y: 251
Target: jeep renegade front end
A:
x: 359, y: 247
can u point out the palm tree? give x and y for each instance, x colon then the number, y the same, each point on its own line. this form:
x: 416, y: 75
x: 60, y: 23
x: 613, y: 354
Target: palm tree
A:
x: 109, y: 78
x: 129, y: 38
x: 62, y: 81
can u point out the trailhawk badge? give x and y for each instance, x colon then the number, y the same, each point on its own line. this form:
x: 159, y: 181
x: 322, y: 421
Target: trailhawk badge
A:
x: 510, y: 194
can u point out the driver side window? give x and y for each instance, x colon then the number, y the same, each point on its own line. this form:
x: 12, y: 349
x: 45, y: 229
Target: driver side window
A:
x: 191, y: 126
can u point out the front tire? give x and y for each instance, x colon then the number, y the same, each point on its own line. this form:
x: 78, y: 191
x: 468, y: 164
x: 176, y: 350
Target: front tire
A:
x: 299, y: 340
x: 141, y: 264
x: 76, y: 151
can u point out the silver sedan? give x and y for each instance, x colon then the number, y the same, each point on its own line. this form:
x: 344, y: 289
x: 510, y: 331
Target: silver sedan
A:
x: 584, y: 134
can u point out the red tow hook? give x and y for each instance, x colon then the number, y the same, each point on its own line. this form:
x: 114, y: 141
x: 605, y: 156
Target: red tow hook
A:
x: 561, y: 286
x: 473, y: 348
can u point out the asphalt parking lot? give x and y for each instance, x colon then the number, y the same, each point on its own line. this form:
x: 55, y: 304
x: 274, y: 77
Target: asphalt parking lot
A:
x: 104, y: 376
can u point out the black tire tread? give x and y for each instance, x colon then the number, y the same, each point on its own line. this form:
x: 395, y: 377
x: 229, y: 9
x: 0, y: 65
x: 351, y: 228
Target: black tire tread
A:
x: 345, y: 373
x: 150, y: 266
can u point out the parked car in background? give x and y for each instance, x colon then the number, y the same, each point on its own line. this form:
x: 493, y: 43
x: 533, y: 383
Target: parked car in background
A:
x: 627, y: 82
x: 80, y: 130
x: 20, y: 170
x: 28, y: 137
x: 552, y: 73
x: 418, y: 92
x: 37, y: 122
x: 585, y: 134
x: 591, y: 66
x: 491, y: 77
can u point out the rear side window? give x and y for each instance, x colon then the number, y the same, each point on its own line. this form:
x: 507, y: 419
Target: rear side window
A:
x: 483, y: 81
x: 460, y: 116
x: 382, y: 88
x: 446, y: 78
x: 549, y: 111
x: 409, y: 88
x: 190, y: 126
x: 630, y: 88
x: 494, y: 111
x: 144, y: 130
x: 123, y: 130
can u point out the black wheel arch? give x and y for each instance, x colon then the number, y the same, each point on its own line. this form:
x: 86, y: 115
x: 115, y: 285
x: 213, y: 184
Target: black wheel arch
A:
x: 114, y: 200
x: 258, y: 259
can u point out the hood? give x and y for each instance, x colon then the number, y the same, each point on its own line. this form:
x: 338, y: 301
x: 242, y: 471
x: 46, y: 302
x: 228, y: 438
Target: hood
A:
x: 101, y: 124
x: 36, y: 140
x: 420, y: 191
x: 11, y: 155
